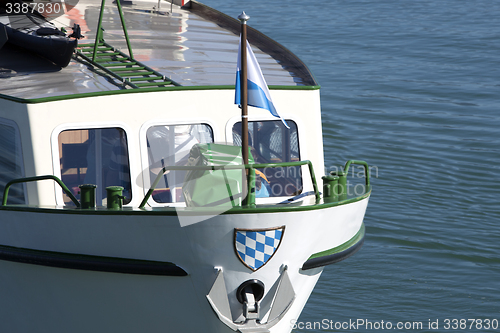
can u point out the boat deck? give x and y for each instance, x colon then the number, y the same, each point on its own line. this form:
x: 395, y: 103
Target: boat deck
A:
x: 192, y: 46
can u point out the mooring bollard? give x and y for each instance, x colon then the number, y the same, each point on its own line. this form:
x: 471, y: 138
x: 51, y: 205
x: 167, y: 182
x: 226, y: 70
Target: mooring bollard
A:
x: 330, y: 185
x: 114, y: 197
x: 87, y: 196
x: 341, y: 188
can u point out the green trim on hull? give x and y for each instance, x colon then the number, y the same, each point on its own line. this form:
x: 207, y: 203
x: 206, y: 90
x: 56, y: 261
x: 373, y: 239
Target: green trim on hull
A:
x: 338, y: 253
x: 175, y: 211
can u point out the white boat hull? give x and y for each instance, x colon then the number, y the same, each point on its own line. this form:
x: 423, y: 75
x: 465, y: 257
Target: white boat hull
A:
x: 80, y: 300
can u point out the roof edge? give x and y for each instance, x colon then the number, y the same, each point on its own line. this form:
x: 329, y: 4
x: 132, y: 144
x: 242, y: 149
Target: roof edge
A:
x: 281, y: 54
x: 141, y: 90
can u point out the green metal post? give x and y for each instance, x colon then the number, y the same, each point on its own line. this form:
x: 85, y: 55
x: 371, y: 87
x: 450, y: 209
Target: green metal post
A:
x: 330, y: 188
x: 251, y: 187
x: 340, y: 189
x: 114, y: 197
x: 313, y: 179
x: 87, y: 195
x: 118, y: 4
x: 98, y: 32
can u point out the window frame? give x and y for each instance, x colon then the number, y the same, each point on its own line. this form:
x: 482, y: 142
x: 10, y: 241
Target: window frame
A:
x: 56, y: 163
x: 302, y: 143
x: 19, y: 152
x: 146, y: 181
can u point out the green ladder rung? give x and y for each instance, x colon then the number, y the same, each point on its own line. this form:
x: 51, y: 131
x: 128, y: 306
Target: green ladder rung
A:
x: 126, y: 69
x: 146, y: 78
x: 89, y: 45
x: 110, y: 54
x: 134, y: 74
x: 91, y: 49
x: 112, y: 60
x: 150, y: 84
x: 120, y: 64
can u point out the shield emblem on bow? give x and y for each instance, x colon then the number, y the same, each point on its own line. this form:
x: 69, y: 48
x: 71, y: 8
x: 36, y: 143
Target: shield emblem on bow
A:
x: 255, y: 247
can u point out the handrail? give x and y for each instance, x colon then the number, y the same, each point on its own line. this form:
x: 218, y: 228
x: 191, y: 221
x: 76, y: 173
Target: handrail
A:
x: 363, y: 163
x: 37, y: 178
x: 335, y: 185
x: 251, y: 167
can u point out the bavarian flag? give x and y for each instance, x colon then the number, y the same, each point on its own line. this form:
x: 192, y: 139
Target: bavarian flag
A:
x: 258, y: 93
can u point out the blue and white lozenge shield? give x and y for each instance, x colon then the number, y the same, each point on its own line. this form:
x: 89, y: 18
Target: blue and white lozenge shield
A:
x: 255, y: 247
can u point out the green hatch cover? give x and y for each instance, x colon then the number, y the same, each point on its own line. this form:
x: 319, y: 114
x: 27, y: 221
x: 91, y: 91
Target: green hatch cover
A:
x: 220, y: 187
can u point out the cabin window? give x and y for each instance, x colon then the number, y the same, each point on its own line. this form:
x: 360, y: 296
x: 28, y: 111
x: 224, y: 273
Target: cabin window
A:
x: 95, y: 156
x: 272, y: 142
x: 11, y: 161
x: 170, y: 146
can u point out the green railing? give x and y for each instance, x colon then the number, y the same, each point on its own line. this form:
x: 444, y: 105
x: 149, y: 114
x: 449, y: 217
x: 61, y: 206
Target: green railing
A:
x: 335, y: 184
x: 251, y: 176
x: 364, y: 164
x: 37, y: 178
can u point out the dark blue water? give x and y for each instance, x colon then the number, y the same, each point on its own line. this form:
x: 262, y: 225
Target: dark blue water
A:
x: 413, y: 88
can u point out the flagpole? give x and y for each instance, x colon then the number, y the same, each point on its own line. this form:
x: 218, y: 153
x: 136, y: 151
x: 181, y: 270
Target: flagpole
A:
x: 244, y: 101
x: 244, y: 87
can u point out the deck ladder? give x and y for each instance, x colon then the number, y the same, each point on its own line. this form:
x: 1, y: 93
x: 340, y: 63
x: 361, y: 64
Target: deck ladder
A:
x: 126, y: 69
x: 117, y: 64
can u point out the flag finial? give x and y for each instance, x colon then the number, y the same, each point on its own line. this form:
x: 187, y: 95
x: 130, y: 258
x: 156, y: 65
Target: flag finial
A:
x: 251, y: 87
x: 243, y: 18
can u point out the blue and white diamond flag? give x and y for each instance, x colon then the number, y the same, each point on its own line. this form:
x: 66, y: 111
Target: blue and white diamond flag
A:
x: 256, y: 247
x: 257, y: 92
